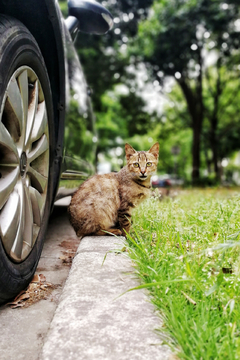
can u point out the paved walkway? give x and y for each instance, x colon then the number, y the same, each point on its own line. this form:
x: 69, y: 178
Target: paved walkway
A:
x: 91, y: 321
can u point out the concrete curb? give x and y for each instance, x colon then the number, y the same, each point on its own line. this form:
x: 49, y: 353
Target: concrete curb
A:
x: 91, y: 321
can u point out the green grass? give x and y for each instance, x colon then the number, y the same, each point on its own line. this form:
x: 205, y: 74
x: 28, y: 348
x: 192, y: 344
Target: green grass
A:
x: 186, y: 251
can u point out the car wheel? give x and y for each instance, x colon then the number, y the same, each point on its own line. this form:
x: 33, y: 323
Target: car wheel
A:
x: 26, y: 155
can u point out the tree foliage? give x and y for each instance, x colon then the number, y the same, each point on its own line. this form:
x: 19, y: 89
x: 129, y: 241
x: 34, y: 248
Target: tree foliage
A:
x: 194, y: 41
x: 178, y: 40
x: 104, y: 57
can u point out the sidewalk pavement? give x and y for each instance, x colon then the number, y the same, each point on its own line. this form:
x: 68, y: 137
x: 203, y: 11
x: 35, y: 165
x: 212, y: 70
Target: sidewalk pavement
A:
x: 92, y: 322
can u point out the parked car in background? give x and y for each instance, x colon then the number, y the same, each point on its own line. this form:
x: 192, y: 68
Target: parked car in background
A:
x: 39, y: 72
x: 160, y: 181
x: 165, y: 181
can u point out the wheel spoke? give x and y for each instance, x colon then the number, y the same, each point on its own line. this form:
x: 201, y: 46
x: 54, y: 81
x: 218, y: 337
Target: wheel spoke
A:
x: 23, y: 86
x: 9, y: 221
x: 24, y: 237
x: 7, y: 141
x: 28, y: 226
x: 16, y: 250
x: 41, y: 147
x: 7, y: 184
x: 38, y: 181
x: 40, y: 123
x: 14, y: 109
x: 32, y: 110
x: 37, y: 205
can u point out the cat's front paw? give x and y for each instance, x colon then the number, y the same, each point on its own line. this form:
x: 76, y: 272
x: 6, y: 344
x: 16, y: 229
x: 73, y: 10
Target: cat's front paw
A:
x: 118, y: 232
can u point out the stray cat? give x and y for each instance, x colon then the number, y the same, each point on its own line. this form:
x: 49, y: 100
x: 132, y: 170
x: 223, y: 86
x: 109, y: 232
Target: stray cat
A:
x: 104, y: 203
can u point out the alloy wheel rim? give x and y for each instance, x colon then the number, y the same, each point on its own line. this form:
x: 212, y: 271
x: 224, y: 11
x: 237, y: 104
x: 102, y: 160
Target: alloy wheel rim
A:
x: 24, y: 163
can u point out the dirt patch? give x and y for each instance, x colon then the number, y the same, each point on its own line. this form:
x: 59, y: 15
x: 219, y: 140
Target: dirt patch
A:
x: 70, y: 244
x: 70, y: 247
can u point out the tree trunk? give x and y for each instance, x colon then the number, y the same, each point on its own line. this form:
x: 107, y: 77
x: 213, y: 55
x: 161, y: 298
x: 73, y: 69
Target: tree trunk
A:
x: 214, y: 123
x: 214, y: 147
x: 195, y: 107
x: 197, y: 129
x: 205, y: 149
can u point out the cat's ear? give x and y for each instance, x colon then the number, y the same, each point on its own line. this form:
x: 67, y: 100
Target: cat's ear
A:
x: 155, y: 150
x: 129, y: 151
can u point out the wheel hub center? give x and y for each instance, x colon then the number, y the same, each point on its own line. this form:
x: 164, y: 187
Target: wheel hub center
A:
x: 23, y: 163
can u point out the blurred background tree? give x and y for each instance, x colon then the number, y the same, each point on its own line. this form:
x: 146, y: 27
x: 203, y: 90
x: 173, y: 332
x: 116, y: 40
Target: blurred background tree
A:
x: 183, y: 39
x: 185, y: 54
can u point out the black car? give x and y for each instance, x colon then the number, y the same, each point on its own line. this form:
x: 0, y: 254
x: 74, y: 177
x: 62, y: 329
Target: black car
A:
x: 39, y: 69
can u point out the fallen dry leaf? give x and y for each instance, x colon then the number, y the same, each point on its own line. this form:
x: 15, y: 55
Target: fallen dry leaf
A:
x: 36, y: 278
x: 42, y: 278
x: 18, y: 301
x: 37, y: 290
x: 66, y: 258
x: 16, y: 304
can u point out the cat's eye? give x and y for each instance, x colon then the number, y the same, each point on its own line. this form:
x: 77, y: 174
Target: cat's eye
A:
x: 149, y: 164
x: 136, y: 165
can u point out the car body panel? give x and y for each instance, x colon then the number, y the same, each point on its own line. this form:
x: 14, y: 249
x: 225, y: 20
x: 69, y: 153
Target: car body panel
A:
x: 44, y: 20
x: 80, y: 133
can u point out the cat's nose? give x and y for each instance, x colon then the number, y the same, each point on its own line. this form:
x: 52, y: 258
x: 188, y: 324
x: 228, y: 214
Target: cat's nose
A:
x: 143, y: 171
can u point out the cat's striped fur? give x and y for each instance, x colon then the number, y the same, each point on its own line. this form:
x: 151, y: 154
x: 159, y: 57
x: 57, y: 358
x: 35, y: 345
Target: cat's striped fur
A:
x: 103, y: 204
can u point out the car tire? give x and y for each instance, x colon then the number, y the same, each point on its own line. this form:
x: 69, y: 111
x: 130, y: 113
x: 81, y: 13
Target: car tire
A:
x: 26, y: 156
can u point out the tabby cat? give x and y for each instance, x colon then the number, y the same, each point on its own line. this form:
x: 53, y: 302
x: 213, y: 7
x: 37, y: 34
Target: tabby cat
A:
x: 103, y: 204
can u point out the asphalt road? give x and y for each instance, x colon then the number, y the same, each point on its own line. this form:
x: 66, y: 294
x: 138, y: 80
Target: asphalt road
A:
x: 24, y: 328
